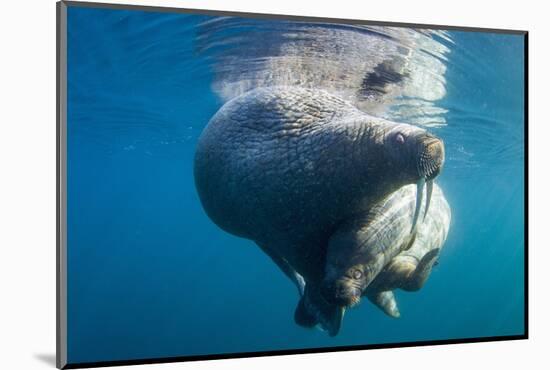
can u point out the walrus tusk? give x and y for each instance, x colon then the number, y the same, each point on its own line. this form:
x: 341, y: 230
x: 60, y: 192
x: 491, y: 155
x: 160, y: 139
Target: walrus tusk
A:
x: 337, y: 321
x: 341, y: 313
x: 419, y: 196
x: 429, y: 189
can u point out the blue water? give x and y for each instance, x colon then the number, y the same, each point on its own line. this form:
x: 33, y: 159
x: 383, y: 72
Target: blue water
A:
x: 149, y: 275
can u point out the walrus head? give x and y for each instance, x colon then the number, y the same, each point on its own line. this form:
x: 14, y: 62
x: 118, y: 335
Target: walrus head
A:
x: 346, y: 291
x: 420, y: 157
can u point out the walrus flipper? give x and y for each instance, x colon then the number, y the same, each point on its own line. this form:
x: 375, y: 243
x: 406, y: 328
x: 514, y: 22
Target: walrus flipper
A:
x: 385, y: 300
x: 284, y: 266
x: 314, y: 310
x: 422, y: 271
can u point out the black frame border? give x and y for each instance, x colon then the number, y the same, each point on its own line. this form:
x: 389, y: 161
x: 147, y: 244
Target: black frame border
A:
x: 61, y: 189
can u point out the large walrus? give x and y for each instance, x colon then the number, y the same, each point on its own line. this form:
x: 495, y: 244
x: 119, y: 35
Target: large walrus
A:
x: 375, y: 254
x: 291, y: 167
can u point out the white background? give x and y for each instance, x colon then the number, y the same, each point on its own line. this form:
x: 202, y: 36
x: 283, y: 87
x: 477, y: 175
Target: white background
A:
x: 27, y: 182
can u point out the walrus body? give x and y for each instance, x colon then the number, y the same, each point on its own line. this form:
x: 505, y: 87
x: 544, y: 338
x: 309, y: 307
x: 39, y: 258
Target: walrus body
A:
x: 286, y: 166
x: 379, y: 245
x: 364, y: 246
x: 410, y: 269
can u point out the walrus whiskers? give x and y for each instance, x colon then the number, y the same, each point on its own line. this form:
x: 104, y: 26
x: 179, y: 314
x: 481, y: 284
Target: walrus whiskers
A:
x: 429, y: 164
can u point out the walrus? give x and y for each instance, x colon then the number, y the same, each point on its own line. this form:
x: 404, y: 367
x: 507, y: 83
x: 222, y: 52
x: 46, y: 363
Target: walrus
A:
x: 374, y: 255
x: 287, y: 166
x: 410, y: 269
x: 363, y: 246
x: 380, y: 235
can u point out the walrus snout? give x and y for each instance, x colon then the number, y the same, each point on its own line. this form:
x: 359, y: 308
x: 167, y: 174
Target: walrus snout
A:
x: 341, y: 293
x: 431, y: 156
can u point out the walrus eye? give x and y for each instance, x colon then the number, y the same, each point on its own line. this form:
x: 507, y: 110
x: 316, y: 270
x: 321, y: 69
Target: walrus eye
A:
x: 357, y: 274
x: 399, y: 138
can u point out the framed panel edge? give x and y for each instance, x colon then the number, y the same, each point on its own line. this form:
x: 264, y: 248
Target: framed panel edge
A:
x: 61, y: 185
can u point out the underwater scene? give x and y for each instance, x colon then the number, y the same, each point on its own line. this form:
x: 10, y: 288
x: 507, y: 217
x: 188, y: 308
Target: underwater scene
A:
x: 238, y: 185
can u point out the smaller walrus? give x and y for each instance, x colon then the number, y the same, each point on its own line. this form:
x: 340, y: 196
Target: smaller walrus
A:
x: 364, y: 248
x: 410, y: 269
x: 379, y: 256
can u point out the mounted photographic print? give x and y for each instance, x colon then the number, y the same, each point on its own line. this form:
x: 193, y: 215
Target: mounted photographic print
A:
x: 234, y: 184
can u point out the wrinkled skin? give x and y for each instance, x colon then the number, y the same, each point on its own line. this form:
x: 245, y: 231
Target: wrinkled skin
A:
x: 286, y: 167
x: 410, y: 269
x: 362, y: 248
x: 384, y: 240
